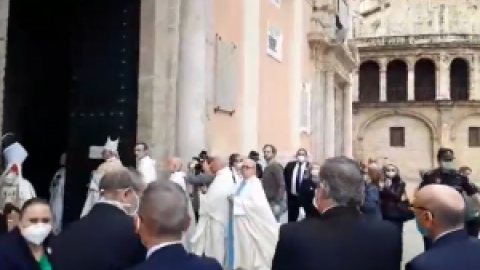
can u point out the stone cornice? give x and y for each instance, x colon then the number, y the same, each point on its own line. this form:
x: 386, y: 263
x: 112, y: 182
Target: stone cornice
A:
x: 424, y: 41
x: 437, y: 104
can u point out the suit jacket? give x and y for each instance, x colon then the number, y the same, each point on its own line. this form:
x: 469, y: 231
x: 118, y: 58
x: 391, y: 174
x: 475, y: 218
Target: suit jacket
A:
x: 105, y: 239
x: 15, y: 254
x: 288, y: 173
x: 340, y: 239
x: 455, y: 250
x: 273, y: 182
x: 175, y: 257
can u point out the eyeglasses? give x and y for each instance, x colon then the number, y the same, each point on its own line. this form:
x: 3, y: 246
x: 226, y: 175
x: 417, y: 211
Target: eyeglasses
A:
x: 247, y: 167
x: 421, y: 208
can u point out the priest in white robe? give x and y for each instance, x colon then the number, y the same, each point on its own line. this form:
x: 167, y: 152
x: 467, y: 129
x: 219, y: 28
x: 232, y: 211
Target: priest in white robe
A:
x: 145, y: 165
x: 252, y: 231
x: 109, y: 153
x: 14, y: 188
x: 174, y: 166
x: 209, y: 238
x: 57, y: 188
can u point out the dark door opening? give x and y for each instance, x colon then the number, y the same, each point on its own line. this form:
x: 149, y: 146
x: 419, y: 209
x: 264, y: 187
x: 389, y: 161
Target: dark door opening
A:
x: 37, y: 83
x: 71, y: 80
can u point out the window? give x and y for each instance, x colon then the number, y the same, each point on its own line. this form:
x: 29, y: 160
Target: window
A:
x: 276, y: 2
x: 274, y: 42
x: 397, y: 137
x: 305, y: 107
x: 474, y: 136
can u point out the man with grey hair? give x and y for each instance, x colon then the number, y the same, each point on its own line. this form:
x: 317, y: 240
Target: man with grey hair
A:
x: 105, y: 238
x: 367, y: 244
x: 440, y: 212
x: 209, y: 237
x: 162, y: 219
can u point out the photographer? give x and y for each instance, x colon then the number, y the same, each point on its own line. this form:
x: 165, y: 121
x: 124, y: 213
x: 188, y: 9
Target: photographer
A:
x: 198, y: 179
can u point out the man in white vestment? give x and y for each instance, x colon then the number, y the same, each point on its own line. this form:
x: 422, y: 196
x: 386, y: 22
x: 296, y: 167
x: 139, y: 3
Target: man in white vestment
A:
x: 110, y: 154
x: 15, y: 189
x: 252, y: 232
x: 174, y: 166
x: 57, y: 186
x: 209, y: 238
x: 145, y: 165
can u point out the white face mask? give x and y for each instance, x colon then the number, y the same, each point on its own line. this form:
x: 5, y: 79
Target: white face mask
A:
x: 301, y: 158
x: 390, y: 174
x: 315, y: 172
x: 238, y: 165
x: 36, y: 233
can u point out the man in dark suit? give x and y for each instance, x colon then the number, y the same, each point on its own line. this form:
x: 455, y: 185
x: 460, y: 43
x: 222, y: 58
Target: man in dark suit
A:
x: 105, y: 239
x: 162, y: 218
x: 295, y: 173
x: 440, y: 212
x: 341, y: 238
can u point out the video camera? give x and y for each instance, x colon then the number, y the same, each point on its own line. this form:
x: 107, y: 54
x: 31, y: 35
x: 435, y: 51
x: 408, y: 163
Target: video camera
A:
x: 199, y: 160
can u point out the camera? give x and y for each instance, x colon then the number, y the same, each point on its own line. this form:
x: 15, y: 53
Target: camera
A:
x: 199, y: 160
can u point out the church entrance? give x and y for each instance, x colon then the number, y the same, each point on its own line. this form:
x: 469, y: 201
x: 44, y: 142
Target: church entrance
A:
x: 71, y: 78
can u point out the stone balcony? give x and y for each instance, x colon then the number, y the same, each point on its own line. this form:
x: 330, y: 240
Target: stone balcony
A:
x: 470, y: 40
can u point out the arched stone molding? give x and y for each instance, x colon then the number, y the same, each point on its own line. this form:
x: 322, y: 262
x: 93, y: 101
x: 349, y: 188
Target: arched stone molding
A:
x: 463, y: 58
x: 428, y: 123
x: 427, y: 57
x: 377, y: 61
x: 456, y: 123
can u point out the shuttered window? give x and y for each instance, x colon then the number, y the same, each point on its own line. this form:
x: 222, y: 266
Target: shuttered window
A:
x: 474, y: 136
x: 274, y: 42
x: 397, y: 137
x: 226, y: 75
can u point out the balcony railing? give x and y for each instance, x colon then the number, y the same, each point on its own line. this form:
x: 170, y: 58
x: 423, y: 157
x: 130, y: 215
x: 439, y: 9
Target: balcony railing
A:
x: 390, y: 41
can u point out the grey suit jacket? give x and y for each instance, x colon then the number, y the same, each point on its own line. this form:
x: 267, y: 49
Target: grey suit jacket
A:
x: 273, y: 182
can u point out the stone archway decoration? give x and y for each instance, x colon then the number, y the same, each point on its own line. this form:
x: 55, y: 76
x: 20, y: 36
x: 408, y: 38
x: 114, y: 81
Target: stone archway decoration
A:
x: 430, y: 125
x: 455, y: 124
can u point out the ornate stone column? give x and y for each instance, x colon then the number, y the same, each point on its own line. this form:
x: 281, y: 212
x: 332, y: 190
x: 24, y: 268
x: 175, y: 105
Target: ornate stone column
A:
x: 348, y: 120
x: 157, y: 93
x: 411, y: 83
x: 383, y: 83
x: 329, y: 128
x: 443, y: 92
x: 318, y: 112
x: 192, y: 80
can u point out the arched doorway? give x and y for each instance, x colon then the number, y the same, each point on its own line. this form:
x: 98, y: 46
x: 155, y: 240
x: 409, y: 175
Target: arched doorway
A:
x: 425, y: 80
x: 397, y: 72
x: 459, y: 79
x: 369, y: 82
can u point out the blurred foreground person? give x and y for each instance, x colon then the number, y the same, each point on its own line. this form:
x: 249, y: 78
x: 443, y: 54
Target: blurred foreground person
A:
x: 447, y: 174
x: 112, y: 162
x: 12, y: 213
x: 105, y: 239
x: 162, y: 219
x: 440, y: 211
x: 252, y: 230
x: 57, y: 188
x: 174, y: 166
x: 209, y: 237
x: 341, y: 238
x: 26, y: 246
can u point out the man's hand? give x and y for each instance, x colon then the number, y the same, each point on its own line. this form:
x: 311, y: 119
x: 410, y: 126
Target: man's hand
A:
x: 203, y: 189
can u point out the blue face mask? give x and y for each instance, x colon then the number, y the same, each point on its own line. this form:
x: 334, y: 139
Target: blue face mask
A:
x: 449, y: 165
x: 422, y: 231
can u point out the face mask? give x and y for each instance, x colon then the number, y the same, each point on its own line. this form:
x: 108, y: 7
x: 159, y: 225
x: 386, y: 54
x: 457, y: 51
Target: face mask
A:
x: 132, y: 208
x: 449, y: 165
x: 36, y: 233
x: 238, y: 165
x: 422, y: 231
x: 315, y: 172
x: 390, y: 174
x: 301, y: 158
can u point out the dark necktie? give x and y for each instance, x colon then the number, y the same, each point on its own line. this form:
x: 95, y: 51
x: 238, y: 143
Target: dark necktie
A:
x: 298, y: 179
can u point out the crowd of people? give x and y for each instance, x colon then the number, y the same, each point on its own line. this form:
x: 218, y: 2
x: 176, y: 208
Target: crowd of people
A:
x: 217, y: 213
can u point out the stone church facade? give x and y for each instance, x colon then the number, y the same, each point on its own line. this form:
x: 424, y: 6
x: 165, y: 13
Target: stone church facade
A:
x: 418, y: 84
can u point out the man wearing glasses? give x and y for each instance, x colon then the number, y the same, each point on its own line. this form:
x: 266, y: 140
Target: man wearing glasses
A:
x: 447, y: 174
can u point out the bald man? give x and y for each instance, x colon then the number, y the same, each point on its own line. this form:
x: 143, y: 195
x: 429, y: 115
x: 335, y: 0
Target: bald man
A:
x: 209, y: 237
x: 252, y: 229
x: 174, y: 166
x: 440, y: 213
x: 145, y: 164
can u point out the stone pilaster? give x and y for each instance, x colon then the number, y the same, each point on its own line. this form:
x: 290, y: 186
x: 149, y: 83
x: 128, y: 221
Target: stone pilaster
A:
x: 318, y: 108
x: 354, y: 87
x: 348, y: 121
x: 4, y: 7
x: 475, y: 78
x: 192, y: 79
x: 329, y: 128
x: 159, y: 40
x: 443, y: 92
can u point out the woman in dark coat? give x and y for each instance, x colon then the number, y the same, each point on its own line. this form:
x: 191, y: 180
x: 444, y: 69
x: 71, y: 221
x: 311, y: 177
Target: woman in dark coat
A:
x: 25, y: 246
